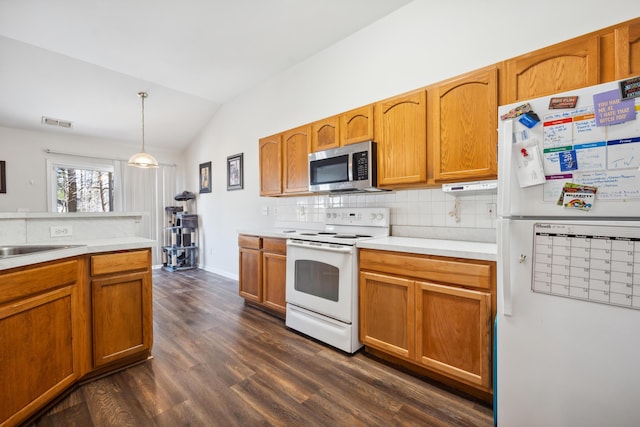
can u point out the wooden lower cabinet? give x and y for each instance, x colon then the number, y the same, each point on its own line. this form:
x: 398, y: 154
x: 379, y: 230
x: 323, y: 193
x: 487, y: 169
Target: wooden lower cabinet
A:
x: 453, y: 330
x: 262, y: 272
x: 433, y: 312
x: 274, y: 274
x: 68, y: 320
x: 39, y: 344
x: 387, y: 314
x: 121, y: 306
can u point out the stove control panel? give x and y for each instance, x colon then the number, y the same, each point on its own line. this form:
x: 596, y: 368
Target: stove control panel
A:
x: 375, y: 217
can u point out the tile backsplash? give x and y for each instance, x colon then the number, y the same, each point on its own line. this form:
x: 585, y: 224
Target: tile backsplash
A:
x: 429, y: 213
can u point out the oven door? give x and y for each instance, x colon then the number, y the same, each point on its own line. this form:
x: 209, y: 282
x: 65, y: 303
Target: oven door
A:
x: 321, y: 278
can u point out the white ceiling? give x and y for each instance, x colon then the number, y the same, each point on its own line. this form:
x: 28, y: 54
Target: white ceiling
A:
x: 85, y: 60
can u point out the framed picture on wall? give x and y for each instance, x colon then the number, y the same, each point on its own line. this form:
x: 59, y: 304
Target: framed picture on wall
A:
x: 3, y: 177
x: 234, y: 172
x: 205, y: 177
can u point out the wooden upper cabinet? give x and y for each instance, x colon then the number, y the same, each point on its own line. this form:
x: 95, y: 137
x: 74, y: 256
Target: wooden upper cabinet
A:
x: 559, y: 68
x: 627, y: 42
x: 463, y: 120
x: 270, y: 154
x: 325, y: 134
x: 357, y: 125
x: 401, y: 133
x: 295, y: 155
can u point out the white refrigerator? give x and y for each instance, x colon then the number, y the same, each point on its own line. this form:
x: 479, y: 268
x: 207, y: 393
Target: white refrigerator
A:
x: 568, y: 318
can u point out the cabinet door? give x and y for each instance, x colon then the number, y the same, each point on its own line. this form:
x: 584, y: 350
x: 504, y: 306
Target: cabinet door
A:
x: 627, y: 50
x: 401, y: 131
x: 37, y: 362
x: 463, y: 120
x: 387, y: 313
x: 273, y: 281
x: 453, y: 332
x: 122, y: 316
x: 325, y: 134
x: 295, y: 144
x: 250, y: 280
x: 270, y: 153
x: 357, y: 125
x: 562, y: 67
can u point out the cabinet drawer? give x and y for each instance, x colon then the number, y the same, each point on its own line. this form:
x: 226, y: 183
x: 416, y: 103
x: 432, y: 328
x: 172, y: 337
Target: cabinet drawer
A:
x: 474, y: 273
x: 37, y: 279
x: 119, y: 262
x: 274, y: 245
x: 249, y: 242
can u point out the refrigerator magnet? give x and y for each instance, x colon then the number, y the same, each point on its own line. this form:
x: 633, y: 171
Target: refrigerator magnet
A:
x: 563, y: 102
x: 529, y: 119
x: 568, y: 160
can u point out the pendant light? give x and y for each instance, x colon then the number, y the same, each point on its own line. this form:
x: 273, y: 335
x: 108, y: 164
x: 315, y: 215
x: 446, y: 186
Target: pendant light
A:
x: 143, y: 159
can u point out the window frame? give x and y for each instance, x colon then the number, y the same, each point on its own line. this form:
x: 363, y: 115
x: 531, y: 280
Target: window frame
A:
x: 74, y: 163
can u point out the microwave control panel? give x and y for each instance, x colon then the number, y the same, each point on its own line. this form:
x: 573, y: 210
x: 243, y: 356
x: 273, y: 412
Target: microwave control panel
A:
x: 360, y: 166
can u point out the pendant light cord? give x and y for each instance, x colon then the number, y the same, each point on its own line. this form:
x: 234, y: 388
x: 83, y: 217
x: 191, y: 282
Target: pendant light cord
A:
x: 142, y: 95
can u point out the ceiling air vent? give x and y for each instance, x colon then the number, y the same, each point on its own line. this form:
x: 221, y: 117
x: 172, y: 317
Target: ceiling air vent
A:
x: 56, y: 122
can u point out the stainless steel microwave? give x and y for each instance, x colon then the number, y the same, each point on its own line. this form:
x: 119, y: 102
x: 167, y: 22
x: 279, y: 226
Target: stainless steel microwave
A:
x: 349, y: 168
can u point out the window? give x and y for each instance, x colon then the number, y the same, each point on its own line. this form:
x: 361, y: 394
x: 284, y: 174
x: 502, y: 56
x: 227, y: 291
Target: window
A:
x: 81, y: 187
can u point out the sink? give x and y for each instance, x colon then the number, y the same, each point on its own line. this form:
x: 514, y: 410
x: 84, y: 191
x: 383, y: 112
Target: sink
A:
x: 10, y: 251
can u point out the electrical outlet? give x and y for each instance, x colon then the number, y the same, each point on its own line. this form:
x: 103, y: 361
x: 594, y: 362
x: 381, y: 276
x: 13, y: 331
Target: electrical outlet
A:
x: 491, y: 210
x: 61, y: 231
x: 265, y: 210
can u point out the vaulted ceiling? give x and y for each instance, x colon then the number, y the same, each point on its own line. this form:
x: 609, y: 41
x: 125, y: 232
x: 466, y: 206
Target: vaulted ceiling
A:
x: 84, y: 61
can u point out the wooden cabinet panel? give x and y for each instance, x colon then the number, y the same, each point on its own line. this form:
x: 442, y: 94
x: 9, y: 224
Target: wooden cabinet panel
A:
x: 357, y: 125
x: 40, y: 336
x: 401, y: 133
x: 627, y: 42
x: 274, y: 275
x: 453, y: 332
x: 120, y: 262
x: 38, y: 351
x: 262, y: 266
x: 467, y: 272
x: 464, y: 122
x: 122, y: 319
x: 387, y: 315
x: 413, y: 308
x: 270, y: 156
x: 562, y: 67
x: 250, y: 278
x: 295, y: 154
x: 32, y: 280
x: 325, y: 134
x: 249, y: 242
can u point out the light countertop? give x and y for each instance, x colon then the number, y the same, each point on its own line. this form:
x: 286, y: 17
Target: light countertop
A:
x: 86, y: 247
x: 440, y: 247
x: 450, y: 248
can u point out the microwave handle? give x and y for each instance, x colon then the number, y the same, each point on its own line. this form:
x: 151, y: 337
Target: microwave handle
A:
x: 341, y: 249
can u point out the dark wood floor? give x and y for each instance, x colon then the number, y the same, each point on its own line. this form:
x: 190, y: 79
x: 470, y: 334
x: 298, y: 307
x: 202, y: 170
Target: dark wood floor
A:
x: 218, y: 362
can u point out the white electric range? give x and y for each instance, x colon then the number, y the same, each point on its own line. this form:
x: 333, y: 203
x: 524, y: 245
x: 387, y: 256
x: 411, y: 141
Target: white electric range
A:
x: 322, y: 275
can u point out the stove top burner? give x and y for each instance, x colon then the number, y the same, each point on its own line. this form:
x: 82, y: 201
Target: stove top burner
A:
x: 308, y: 234
x: 327, y: 233
x: 350, y: 236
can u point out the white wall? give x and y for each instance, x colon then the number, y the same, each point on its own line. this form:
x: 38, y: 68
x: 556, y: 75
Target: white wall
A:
x: 422, y: 43
x: 25, y: 159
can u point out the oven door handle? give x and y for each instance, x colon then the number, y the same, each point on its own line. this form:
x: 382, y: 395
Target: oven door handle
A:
x: 340, y: 249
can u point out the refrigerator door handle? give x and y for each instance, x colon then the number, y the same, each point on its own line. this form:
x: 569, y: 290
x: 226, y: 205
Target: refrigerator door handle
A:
x: 504, y: 270
x: 504, y: 195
